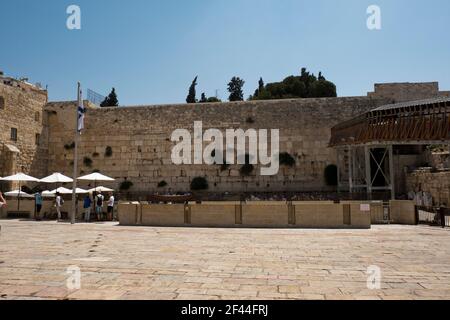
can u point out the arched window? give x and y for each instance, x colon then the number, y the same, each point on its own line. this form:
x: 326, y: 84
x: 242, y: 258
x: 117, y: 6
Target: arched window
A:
x: 2, y: 103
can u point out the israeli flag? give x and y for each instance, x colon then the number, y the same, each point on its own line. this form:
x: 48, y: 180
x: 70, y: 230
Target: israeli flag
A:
x: 81, y: 112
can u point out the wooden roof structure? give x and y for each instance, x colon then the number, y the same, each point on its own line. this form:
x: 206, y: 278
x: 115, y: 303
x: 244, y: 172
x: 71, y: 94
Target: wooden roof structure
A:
x: 417, y: 122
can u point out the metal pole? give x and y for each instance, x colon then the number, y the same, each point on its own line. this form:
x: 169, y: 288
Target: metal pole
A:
x: 367, y: 152
x: 350, y: 169
x: 75, y: 160
x: 391, y: 171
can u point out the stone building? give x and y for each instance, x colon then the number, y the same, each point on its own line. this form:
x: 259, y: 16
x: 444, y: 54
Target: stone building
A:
x: 133, y: 143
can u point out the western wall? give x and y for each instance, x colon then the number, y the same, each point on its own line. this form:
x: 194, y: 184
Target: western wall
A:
x: 133, y: 143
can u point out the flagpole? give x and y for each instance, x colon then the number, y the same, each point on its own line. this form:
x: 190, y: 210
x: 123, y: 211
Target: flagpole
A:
x: 75, y: 160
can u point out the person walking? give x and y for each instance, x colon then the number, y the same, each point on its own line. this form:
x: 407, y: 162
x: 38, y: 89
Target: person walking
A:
x: 99, y: 198
x: 58, y: 204
x: 87, y: 208
x: 38, y: 202
x: 110, y: 207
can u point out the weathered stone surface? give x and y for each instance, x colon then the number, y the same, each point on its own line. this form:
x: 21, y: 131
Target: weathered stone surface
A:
x: 139, y: 137
x: 183, y: 263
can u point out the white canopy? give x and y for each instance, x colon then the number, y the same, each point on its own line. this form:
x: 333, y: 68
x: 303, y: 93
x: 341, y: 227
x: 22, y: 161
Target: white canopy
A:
x: 101, y: 189
x: 57, y: 178
x: 96, y: 177
x: 63, y: 190
x: 20, y: 177
x: 17, y: 193
x: 47, y: 194
x: 79, y: 190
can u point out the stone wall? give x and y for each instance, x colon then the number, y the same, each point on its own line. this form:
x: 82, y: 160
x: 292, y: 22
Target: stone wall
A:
x: 400, y: 92
x: 139, y: 137
x: 435, y: 183
x: 22, y: 109
x: 140, y: 141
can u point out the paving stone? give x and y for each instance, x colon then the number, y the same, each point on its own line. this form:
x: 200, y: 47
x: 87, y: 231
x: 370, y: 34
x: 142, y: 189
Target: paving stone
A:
x: 200, y: 264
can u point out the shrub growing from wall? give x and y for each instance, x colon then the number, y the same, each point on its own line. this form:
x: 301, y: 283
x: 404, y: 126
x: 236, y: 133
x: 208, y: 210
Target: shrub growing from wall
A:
x: 199, y: 183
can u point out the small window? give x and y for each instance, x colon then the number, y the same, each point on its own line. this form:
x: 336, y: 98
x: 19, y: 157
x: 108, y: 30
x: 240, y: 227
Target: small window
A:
x: 14, y: 134
x: 37, y: 116
x: 38, y: 139
x: 2, y: 103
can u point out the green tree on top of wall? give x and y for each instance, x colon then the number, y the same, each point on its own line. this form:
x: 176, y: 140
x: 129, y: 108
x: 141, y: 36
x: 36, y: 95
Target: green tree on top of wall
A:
x: 204, y: 99
x: 192, y: 93
x: 235, y: 88
x: 306, y: 85
x: 111, y: 100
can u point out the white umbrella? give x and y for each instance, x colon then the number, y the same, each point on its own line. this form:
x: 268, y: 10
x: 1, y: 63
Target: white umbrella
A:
x: 57, y: 178
x: 61, y: 190
x: 101, y: 189
x: 79, y: 190
x: 17, y: 193
x: 47, y: 194
x: 95, y: 177
x: 20, y: 177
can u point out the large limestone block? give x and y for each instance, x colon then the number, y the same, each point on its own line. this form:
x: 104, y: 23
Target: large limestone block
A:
x: 213, y: 215
x: 162, y: 214
x: 128, y: 213
x: 403, y: 212
x: 320, y: 215
x: 265, y: 214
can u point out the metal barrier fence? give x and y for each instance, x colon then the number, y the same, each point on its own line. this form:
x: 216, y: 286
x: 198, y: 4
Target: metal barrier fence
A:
x: 435, y: 216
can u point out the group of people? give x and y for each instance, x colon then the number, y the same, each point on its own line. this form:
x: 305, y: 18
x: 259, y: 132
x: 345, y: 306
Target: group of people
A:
x: 97, y: 199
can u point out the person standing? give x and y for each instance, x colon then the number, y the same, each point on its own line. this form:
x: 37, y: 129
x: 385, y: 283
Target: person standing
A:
x: 38, y: 201
x: 2, y: 200
x: 110, y: 207
x: 58, y: 204
x: 99, y: 198
x: 87, y: 208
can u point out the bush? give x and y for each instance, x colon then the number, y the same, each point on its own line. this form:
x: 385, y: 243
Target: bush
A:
x: 199, y: 183
x: 247, y: 168
x: 108, y: 151
x: 69, y: 146
x: 125, y: 185
x: 87, y: 161
x: 162, y: 184
x: 331, y: 175
x: 286, y: 159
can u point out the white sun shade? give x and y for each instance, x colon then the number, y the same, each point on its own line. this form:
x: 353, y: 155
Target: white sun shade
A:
x: 100, y: 189
x: 61, y: 190
x: 57, y: 178
x: 20, y: 177
x: 96, y: 177
x: 15, y: 194
x: 47, y: 194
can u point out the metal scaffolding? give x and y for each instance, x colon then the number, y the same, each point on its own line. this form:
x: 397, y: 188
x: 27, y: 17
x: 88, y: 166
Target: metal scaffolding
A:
x: 365, y: 144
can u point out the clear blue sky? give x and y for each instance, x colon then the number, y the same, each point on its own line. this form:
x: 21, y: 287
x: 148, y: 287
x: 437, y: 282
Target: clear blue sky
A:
x: 151, y: 50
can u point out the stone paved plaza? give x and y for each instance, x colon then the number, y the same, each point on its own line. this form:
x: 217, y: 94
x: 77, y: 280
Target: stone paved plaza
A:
x: 181, y: 263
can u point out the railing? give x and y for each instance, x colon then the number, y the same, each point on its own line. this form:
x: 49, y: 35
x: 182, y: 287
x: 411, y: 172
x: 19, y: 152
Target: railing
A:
x: 434, y: 216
